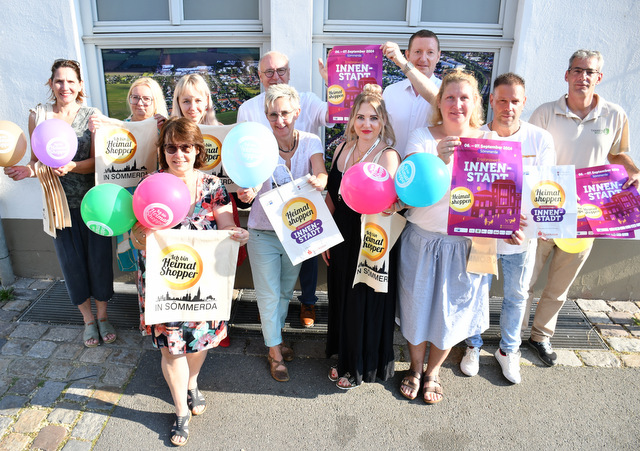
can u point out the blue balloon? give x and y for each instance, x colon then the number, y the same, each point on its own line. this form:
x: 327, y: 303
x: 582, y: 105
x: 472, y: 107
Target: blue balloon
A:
x: 249, y: 154
x: 422, y: 179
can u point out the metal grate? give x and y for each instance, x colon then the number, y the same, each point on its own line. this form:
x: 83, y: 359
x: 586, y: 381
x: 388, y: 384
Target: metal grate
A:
x: 573, y: 330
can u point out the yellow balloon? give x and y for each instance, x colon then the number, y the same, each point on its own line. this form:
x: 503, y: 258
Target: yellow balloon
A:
x: 13, y: 143
x: 573, y: 245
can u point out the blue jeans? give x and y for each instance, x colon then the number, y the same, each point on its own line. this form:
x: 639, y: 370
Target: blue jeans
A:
x: 516, y: 272
x: 308, y: 281
x: 273, y: 279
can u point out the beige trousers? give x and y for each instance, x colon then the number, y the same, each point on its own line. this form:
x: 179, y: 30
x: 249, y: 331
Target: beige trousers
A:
x: 563, y: 271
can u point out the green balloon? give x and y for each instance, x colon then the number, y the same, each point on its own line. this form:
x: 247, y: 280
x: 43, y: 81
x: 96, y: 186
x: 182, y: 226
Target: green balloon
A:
x: 107, y: 210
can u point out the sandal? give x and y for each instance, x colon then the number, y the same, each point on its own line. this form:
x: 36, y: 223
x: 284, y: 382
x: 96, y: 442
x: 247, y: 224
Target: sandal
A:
x: 195, y: 398
x: 351, y: 381
x: 91, y: 333
x: 287, y: 353
x: 411, y: 381
x: 433, y: 389
x: 180, y: 428
x: 333, y: 374
x: 106, y: 329
x: 279, y: 375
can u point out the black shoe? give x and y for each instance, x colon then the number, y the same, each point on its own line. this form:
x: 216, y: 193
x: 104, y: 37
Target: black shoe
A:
x: 546, y: 354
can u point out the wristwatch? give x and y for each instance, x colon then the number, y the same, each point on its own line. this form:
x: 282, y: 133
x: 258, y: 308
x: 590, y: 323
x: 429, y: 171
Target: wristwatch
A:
x: 407, y: 67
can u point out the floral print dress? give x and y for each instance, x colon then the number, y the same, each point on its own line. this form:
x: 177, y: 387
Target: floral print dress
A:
x: 186, y: 337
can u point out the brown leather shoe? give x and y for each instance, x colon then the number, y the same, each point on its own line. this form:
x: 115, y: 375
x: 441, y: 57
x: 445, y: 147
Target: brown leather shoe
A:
x: 279, y: 375
x: 307, y: 315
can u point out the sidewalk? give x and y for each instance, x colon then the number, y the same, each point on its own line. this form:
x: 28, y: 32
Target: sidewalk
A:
x: 57, y: 394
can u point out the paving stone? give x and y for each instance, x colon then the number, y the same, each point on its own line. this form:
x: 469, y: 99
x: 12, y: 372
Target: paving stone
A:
x: 6, y: 315
x: 15, y: 442
x: 59, y: 370
x: 127, y: 356
x: 131, y: 339
x: 95, y: 355
x: 16, y: 347
x: 24, y: 386
x: 117, y: 375
x: 4, y: 364
x: 29, y: 421
x: 77, y: 445
x: 6, y: 327
x: 593, y: 305
x: 104, y: 398
x: 5, y: 422
x: 68, y: 351
x: 11, y: 404
x: 64, y: 413
x: 23, y: 282
x: 634, y: 330
x: 621, y: 317
x: 566, y: 357
x: 613, y: 330
x: 89, y: 426
x: 32, y: 331
x: 49, y: 438
x: 604, y: 359
x: 630, y: 360
x: 88, y: 374
x: 624, y: 306
x: 41, y: 284
x: 26, y: 294
x: 16, y: 306
x: 78, y: 392
x: 42, y: 349
x: 48, y: 393
x: 28, y: 367
x: 598, y: 318
x: 4, y: 386
x: 66, y: 334
x: 624, y: 344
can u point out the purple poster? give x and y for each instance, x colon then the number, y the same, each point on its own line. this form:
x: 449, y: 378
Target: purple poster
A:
x: 605, y: 209
x: 350, y: 67
x: 486, y: 188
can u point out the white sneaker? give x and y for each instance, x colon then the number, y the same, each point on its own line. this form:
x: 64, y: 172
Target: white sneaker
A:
x: 510, y: 364
x: 470, y: 363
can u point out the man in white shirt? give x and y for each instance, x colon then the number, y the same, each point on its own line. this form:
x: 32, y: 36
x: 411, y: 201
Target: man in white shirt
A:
x: 407, y: 109
x: 274, y: 69
x: 516, y: 257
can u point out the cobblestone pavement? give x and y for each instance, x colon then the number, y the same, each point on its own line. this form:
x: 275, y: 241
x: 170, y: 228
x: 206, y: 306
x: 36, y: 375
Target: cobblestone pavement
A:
x: 56, y: 394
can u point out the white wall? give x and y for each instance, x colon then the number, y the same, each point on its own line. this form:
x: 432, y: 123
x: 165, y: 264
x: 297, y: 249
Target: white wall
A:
x: 33, y: 34
x: 552, y: 30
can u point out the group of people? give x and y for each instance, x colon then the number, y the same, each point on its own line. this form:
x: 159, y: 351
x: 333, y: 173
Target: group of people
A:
x: 437, y: 302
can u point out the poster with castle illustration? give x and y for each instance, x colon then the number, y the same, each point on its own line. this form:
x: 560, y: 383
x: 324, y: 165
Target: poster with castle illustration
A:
x: 349, y: 69
x: 486, y: 188
x: 605, y: 209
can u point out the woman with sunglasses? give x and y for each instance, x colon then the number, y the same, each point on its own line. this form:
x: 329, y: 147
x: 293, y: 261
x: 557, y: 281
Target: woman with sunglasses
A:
x: 85, y: 257
x: 184, y: 345
x: 274, y: 276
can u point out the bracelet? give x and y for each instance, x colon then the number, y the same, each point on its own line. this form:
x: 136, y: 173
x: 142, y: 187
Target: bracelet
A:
x: 407, y: 67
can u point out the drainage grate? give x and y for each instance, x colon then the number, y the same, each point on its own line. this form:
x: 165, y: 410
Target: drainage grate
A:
x: 573, y: 330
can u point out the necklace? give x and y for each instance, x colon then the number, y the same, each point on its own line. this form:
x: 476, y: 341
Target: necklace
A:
x: 295, y: 143
x: 367, y: 152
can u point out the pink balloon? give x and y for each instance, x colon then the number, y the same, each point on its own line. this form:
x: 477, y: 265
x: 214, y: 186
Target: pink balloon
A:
x: 54, y: 142
x: 367, y: 188
x: 161, y: 201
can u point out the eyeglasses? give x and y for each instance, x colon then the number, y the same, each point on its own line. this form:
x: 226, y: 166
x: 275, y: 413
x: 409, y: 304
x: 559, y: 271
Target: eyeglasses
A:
x: 578, y: 71
x: 173, y: 148
x: 285, y: 115
x: 146, y: 100
x: 271, y: 72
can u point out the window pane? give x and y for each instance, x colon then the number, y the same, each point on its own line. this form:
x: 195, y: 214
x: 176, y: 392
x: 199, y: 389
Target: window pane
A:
x: 221, y: 10
x: 465, y: 11
x: 370, y: 10
x: 126, y: 10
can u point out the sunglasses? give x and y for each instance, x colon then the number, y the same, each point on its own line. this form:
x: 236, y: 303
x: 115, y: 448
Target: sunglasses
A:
x: 173, y: 148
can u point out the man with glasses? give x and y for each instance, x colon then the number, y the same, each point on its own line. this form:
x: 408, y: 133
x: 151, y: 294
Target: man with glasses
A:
x: 274, y: 69
x: 587, y: 131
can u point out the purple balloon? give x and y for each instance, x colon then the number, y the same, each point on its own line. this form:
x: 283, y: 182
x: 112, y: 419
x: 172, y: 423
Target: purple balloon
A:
x: 54, y: 142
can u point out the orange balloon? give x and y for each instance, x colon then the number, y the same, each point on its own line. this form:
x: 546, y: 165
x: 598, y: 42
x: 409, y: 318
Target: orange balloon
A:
x: 573, y: 245
x: 13, y: 143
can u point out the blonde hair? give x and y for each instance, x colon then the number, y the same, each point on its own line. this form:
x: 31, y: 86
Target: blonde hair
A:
x: 459, y: 76
x: 159, y: 104
x: 371, y: 94
x: 196, y: 82
x: 278, y: 91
